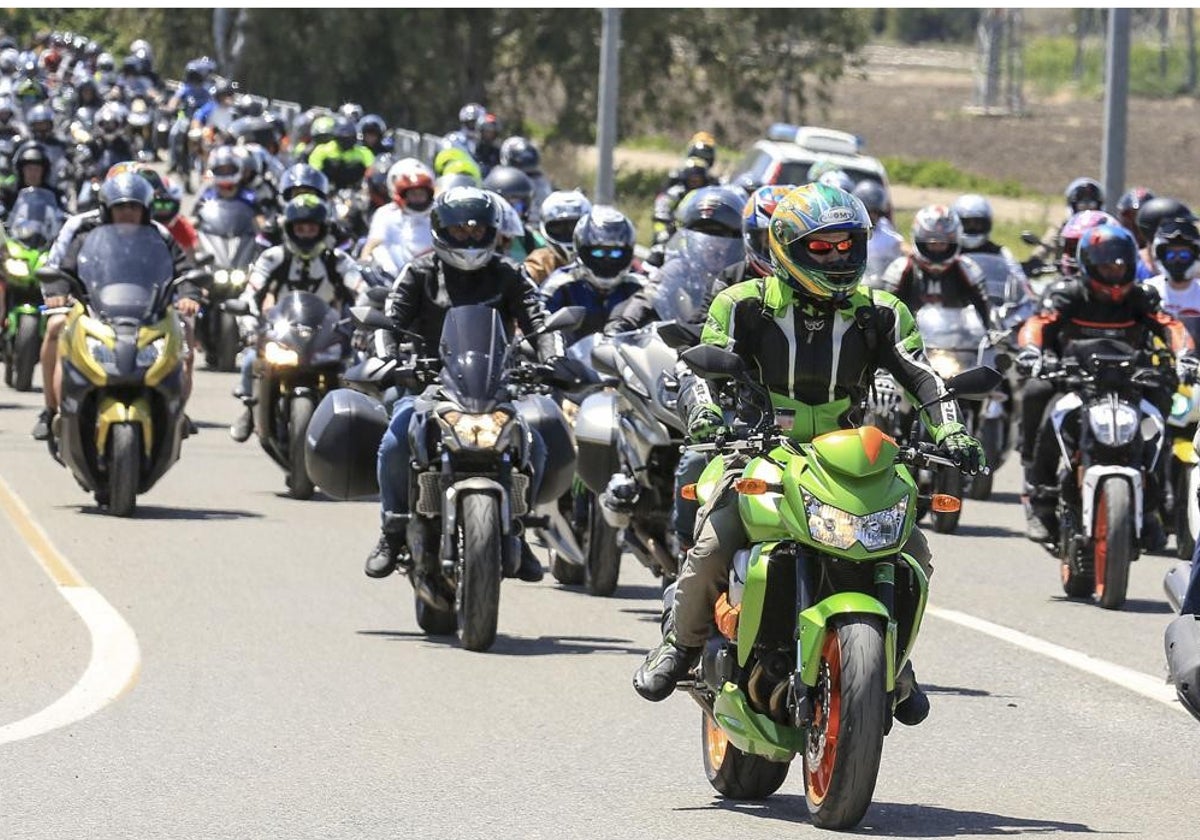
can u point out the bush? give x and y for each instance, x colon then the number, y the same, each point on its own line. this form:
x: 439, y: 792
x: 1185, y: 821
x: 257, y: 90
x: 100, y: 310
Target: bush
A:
x: 942, y: 174
x: 1049, y: 65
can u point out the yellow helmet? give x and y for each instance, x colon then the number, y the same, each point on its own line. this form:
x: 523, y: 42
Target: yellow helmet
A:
x: 812, y: 209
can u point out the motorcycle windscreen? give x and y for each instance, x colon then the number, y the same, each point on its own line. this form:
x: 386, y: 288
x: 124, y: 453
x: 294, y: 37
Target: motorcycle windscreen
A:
x: 227, y: 231
x: 123, y: 268
x: 474, y: 352
x: 949, y: 328
x: 693, y: 261
x: 300, y: 319
x: 34, y: 219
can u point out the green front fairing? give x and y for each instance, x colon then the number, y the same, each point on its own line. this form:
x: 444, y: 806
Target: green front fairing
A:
x: 812, y: 627
x: 31, y: 258
x: 751, y: 732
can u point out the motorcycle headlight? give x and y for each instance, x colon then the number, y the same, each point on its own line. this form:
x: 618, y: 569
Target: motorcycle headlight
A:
x: 280, y: 356
x: 944, y: 363
x: 480, y: 431
x: 1113, y: 425
x: 148, y: 355
x: 101, y: 352
x: 221, y: 277
x: 16, y: 268
x: 237, y: 278
x: 836, y: 528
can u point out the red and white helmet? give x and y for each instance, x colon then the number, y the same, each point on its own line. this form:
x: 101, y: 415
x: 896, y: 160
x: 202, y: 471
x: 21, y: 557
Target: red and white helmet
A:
x: 937, y: 237
x: 407, y: 174
x: 1073, y: 231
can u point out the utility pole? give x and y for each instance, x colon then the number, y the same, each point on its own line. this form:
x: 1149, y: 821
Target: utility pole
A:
x: 606, y: 134
x: 1116, y: 94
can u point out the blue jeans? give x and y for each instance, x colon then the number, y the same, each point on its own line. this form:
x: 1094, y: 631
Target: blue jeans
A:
x: 248, y: 357
x: 683, y: 511
x: 395, y: 455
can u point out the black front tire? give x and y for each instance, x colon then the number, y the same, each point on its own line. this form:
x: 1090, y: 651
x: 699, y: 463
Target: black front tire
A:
x: 477, y: 601
x: 124, y: 468
x: 27, y: 347
x: 300, y: 486
x: 228, y: 342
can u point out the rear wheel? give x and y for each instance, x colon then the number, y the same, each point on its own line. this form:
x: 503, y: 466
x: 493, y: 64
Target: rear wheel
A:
x: 1113, y: 537
x: 733, y: 773
x: 300, y: 486
x: 27, y: 347
x: 124, y: 467
x: 845, y: 740
x: 479, y: 560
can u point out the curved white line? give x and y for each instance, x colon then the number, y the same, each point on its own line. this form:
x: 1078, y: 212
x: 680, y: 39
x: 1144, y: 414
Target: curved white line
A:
x: 116, y: 656
x: 1136, y: 681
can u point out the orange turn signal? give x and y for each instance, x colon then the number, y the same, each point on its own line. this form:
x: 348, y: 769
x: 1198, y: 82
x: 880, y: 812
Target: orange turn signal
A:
x: 941, y: 503
x: 688, y: 491
x: 751, y: 486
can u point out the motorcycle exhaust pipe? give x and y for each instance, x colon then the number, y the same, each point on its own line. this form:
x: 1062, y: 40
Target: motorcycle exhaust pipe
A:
x: 558, y: 535
x: 1175, y: 583
x: 656, y: 550
x: 1182, y: 642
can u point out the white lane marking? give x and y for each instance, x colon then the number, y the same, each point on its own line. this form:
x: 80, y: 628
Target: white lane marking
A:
x: 116, y: 656
x: 1143, y: 684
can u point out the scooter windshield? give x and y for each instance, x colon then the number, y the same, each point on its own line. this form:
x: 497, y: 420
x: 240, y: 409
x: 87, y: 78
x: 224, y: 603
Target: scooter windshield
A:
x: 693, y: 261
x: 950, y: 329
x: 474, y: 350
x: 35, y: 217
x: 227, y: 231
x: 123, y: 268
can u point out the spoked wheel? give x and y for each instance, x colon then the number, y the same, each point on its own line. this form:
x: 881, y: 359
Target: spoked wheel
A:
x: 1113, y: 537
x: 845, y: 740
x: 733, y: 773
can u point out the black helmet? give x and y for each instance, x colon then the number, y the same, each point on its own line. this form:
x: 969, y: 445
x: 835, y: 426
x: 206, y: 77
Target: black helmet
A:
x: 30, y: 151
x: 604, y: 240
x: 302, y: 176
x: 344, y: 132
x: 874, y: 196
x: 1084, y: 194
x: 716, y: 211
x: 128, y: 187
x: 520, y: 153
x: 1151, y: 214
x: 1127, y: 208
x: 464, y: 223
x: 305, y: 208
x: 1108, y: 261
x: 514, y: 185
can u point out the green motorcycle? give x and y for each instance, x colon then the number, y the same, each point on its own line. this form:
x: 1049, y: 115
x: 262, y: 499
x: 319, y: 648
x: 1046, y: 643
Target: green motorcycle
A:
x: 822, y: 612
x: 33, y: 224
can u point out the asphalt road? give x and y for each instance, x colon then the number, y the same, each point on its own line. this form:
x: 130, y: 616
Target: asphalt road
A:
x: 280, y: 693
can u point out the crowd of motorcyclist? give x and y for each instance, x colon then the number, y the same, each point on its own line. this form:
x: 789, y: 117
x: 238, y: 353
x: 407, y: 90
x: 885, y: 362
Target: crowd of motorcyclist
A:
x: 823, y: 290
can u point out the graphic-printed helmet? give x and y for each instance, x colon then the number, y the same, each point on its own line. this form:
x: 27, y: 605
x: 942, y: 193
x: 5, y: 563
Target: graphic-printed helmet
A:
x: 1127, y: 209
x: 561, y: 212
x: 1108, y: 262
x: 756, y: 225
x: 1073, y: 231
x: 937, y: 237
x: 814, y: 213
x: 604, y: 241
x: 302, y: 209
x: 408, y: 174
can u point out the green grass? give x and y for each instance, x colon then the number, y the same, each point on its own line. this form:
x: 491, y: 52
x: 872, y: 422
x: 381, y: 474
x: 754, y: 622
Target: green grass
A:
x: 1049, y: 66
x: 941, y: 174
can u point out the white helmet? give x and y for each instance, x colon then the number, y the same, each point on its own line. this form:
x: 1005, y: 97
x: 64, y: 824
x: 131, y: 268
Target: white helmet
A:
x: 561, y: 211
x: 975, y: 213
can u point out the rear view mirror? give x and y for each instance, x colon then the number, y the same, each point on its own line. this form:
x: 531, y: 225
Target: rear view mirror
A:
x: 712, y: 362
x: 975, y: 383
x: 678, y: 336
x: 566, y: 318
x: 368, y: 316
